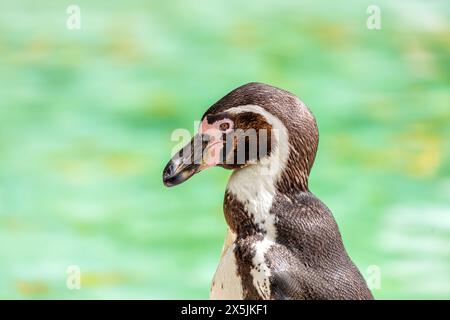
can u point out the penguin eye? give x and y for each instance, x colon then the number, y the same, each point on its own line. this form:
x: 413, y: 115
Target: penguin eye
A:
x: 224, y: 126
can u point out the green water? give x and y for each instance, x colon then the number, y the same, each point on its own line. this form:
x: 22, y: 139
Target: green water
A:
x: 86, y: 117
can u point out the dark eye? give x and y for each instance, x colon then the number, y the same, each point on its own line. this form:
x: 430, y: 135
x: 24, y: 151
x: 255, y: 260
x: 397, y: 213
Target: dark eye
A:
x: 224, y: 126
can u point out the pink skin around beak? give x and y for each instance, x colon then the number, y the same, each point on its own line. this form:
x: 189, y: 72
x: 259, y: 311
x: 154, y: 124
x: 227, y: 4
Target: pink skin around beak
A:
x: 213, y: 150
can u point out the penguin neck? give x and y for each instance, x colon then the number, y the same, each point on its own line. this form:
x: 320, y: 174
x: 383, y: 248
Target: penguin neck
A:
x: 251, y: 192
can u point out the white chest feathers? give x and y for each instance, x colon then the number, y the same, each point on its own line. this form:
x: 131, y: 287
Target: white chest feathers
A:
x: 226, y: 284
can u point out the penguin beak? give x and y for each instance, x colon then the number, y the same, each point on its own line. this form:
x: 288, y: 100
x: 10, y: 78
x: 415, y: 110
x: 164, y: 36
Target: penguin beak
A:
x: 200, y: 153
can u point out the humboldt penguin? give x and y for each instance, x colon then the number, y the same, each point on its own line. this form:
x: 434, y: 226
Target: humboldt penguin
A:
x: 282, y: 242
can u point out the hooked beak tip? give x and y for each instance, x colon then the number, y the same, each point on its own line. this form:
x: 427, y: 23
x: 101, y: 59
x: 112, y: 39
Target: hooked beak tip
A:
x: 174, y: 175
x: 170, y: 181
x: 168, y: 176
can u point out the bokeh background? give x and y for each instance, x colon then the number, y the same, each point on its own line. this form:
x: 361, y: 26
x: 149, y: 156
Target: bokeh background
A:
x: 86, y: 118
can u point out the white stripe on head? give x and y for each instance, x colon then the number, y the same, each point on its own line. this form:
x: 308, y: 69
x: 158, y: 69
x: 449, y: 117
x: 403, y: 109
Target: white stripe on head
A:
x: 274, y: 164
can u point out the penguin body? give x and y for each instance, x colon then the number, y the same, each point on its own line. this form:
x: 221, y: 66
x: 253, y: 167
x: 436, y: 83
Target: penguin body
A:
x: 306, y: 261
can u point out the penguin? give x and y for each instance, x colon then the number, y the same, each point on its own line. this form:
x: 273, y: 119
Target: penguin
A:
x: 282, y: 242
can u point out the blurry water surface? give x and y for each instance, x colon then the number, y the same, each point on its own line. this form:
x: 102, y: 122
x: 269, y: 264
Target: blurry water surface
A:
x: 86, y: 117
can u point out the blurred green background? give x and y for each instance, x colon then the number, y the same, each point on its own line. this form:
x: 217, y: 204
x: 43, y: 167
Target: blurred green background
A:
x: 86, y: 117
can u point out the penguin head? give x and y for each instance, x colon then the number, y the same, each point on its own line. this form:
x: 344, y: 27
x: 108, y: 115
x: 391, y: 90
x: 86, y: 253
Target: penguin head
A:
x: 254, y: 125
x: 228, y: 139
